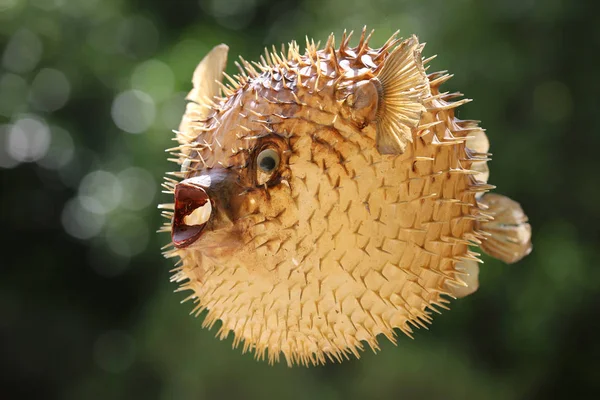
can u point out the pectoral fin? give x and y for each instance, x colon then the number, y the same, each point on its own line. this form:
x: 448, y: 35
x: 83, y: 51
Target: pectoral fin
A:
x: 403, y: 86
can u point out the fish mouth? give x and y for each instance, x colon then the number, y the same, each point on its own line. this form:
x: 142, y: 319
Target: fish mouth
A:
x: 193, y: 209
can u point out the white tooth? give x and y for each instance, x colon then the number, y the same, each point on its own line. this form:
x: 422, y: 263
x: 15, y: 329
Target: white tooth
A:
x: 200, y: 180
x: 199, y: 216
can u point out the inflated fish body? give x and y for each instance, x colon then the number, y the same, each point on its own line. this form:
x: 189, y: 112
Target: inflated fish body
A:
x: 329, y: 197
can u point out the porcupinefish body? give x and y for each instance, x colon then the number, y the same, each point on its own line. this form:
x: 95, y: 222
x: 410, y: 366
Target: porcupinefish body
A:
x: 329, y: 197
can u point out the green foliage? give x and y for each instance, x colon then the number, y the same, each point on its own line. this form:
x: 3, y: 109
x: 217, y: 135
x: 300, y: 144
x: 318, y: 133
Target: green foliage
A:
x: 89, y: 92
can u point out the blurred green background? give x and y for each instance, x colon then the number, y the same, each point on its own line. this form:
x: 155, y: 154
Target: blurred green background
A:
x: 89, y: 93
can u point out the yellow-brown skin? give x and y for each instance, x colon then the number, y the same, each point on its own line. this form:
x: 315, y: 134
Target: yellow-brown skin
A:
x: 357, y: 232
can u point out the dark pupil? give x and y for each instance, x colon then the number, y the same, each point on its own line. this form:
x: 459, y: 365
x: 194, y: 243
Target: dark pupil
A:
x: 267, y: 163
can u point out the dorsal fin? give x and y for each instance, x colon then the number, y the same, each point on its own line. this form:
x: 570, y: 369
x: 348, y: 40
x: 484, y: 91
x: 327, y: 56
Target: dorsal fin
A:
x: 403, y: 85
x: 206, y: 78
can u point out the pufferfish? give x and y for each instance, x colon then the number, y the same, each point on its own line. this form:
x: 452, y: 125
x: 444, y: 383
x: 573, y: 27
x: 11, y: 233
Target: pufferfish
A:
x: 330, y: 197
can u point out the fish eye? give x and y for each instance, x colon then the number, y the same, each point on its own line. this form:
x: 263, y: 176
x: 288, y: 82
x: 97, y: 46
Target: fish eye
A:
x: 267, y: 163
x: 268, y: 160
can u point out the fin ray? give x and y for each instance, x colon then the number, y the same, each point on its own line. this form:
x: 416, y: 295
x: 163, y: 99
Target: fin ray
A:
x: 510, y: 238
x: 404, y: 85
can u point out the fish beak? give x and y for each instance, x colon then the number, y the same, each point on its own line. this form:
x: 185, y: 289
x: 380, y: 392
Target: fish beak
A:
x: 193, y: 209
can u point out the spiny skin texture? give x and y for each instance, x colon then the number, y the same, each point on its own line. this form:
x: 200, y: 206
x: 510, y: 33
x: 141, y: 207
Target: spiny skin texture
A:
x: 365, y: 222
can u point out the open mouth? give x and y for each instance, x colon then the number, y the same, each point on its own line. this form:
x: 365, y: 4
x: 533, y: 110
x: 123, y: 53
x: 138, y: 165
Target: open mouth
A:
x: 192, y: 212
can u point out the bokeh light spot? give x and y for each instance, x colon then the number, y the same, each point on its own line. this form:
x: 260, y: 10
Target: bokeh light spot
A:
x: 139, y: 188
x: 50, y: 90
x: 155, y: 78
x: 23, y: 52
x: 138, y: 37
x: 61, y: 150
x: 183, y: 58
x: 28, y: 139
x: 133, y: 111
x: 80, y: 222
x: 100, y: 192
